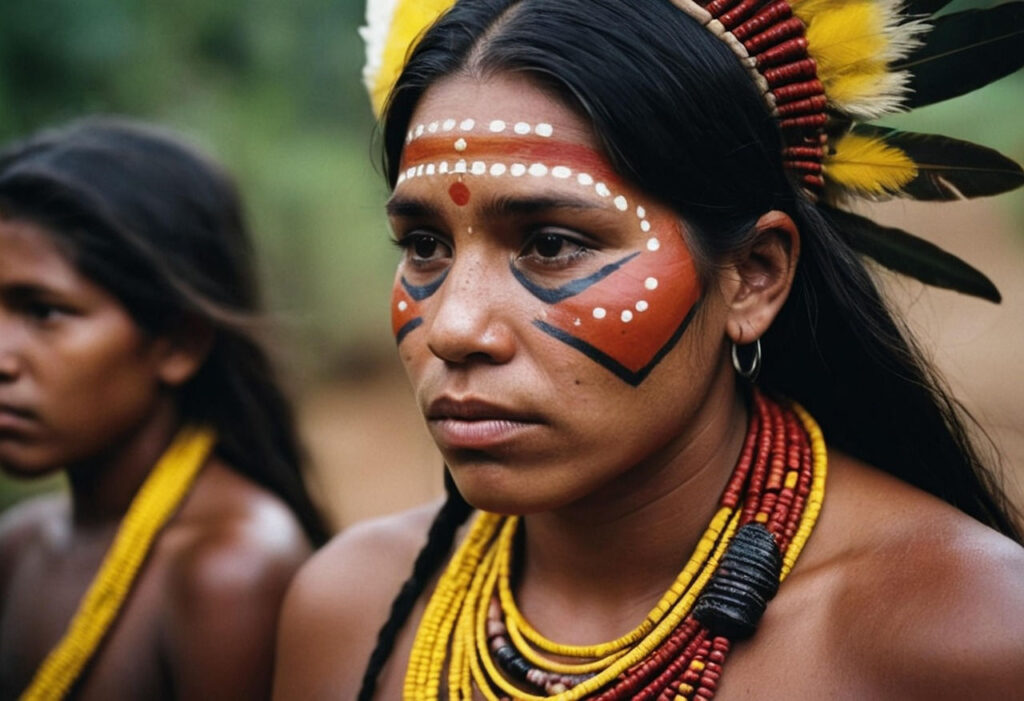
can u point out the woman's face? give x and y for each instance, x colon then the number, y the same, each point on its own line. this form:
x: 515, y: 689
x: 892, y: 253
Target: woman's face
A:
x: 76, y: 373
x: 543, y: 305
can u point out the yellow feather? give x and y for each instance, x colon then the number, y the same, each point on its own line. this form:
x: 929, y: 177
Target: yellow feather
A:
x: 852, y: 85
x: 410, y: 20
x: 841, y: 38
x: 868, y: 166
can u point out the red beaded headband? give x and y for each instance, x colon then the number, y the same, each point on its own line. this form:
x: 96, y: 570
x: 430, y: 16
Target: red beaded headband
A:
x: 825, y: 68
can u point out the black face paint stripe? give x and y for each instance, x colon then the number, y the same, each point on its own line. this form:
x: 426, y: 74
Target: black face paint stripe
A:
x: 569, y: 289
x: 421, y: 292
x: 609, y: 363
x: 408, y: 326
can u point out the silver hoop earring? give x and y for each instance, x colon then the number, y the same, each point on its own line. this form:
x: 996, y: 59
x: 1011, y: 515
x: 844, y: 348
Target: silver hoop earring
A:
x: 749, y: 373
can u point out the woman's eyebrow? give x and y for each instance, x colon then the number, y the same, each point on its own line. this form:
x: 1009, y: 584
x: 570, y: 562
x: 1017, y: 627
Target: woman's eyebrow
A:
x: 510, y: 205
x: 399, y: 206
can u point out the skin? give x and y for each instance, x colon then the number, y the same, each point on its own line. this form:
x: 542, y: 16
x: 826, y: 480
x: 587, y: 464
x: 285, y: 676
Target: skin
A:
x: 897, y: 595
x: 201, y: 618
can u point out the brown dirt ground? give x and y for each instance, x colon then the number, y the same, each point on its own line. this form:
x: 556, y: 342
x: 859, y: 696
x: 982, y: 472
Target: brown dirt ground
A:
x: 372, y: 454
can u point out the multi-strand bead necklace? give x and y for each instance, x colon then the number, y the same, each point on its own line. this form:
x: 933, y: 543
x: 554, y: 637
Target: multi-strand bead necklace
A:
x: 765, y: 516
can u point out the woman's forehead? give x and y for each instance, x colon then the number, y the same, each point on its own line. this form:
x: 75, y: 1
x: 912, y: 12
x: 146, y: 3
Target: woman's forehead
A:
x: 502, y: 105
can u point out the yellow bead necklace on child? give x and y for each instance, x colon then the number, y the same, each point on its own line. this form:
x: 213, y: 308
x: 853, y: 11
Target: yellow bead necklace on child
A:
x: 155, y: 503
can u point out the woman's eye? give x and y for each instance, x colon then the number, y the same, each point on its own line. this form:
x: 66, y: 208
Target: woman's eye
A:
x: 554, y: 250
x: 423, y: 249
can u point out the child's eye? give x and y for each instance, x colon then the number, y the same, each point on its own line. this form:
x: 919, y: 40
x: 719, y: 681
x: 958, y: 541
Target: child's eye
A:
x: 41, y: 311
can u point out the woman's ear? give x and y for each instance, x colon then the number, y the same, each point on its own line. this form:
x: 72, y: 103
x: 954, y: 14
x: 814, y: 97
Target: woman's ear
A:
x: 757, y: 283
x: 183, y: 349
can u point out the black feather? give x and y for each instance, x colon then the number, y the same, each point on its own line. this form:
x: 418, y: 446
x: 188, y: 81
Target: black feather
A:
x: 909, y: 255
x: 949, y: 169
x: 965, y: 51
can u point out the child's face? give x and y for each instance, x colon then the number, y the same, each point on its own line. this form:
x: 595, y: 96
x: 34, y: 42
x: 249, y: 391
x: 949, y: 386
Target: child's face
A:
x: 76, y: 373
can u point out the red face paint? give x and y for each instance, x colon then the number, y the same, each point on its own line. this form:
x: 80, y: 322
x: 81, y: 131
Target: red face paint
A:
x: 630, y: 319
x: 459, y: 193
x: 626, y: 320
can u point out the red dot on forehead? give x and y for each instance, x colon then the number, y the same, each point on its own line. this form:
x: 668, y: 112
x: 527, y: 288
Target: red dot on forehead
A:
x: 459, y: 194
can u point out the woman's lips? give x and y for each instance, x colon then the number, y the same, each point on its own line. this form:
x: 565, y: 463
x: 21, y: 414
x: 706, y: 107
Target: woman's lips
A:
x: 474, y: 424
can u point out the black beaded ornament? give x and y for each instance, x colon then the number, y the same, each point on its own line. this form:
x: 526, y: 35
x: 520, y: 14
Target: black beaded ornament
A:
x: 745, y: 581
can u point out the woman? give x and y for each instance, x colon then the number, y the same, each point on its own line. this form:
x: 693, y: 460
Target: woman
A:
x: 605, y: 234
x: 127, y: 360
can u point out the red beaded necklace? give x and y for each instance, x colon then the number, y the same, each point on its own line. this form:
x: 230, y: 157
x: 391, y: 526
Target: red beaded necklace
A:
x: 766, y: 514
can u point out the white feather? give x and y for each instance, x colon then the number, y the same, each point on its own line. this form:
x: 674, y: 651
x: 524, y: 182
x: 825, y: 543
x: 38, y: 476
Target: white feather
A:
x: 379, y: 14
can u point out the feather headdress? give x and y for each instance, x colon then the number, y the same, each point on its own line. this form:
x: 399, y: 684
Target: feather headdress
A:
x: 825, y: 68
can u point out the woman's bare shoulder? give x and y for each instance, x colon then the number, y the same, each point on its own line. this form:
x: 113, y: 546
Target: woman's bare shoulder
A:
x: 339, y: 600
x: 926, y: 600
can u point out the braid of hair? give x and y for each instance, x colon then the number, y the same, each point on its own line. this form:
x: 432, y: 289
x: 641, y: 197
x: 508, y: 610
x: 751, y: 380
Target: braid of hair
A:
x: 440, y: 537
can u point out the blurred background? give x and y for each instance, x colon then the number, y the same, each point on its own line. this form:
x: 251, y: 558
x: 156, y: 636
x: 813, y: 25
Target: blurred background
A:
x: 273, y: 90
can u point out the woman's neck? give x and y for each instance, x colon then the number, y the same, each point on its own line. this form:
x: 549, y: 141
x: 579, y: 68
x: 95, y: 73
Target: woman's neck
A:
x: 103, y: 486
x: 621, y: 547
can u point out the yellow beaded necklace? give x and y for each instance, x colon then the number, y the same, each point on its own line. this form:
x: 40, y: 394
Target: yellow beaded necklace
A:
x: 157, y: 500
x: 475, y: 590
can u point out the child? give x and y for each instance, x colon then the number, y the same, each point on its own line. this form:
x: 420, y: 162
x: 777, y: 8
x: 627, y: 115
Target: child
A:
x: 127, y: 360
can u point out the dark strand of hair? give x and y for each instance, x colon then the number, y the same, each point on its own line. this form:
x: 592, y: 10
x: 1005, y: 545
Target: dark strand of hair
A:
x: 440, y: 537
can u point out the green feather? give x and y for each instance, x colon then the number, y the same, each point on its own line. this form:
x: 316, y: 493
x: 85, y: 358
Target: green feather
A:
x: 965, y: 51
x: 923, y: 7
x: 909, y: 255
x: 949, y: 169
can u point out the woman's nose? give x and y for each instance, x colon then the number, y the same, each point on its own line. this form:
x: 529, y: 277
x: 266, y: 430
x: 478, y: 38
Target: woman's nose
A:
x: 472, y: 316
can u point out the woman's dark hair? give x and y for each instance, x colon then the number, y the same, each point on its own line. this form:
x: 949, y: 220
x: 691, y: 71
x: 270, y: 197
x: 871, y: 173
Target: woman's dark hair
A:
x: 678, y: 115
x: 160, y: 227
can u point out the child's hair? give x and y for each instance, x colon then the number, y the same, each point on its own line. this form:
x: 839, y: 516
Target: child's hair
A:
x: 160, y: 227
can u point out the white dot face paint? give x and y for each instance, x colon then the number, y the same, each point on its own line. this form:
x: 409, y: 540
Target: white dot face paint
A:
x: 432, y: 128
x: 641, y: 306
x: 403, y: 305
x: 653, y: 244
x: 545, y: 130
x: 498, y: 169
x: 517, y: 169
x: 461, y: 145
x: 627, y: 316
x: 467, y: 124
x: 497, y: 126
x: 585, y: 179
x: 460, y: 166
x: 538, y: 170
x: 448, y: 125
x: 521, y: 128
x: 478, y: 168
x: 600, y: 312
x: 651, y: 283
x: 419, y: 130
x: 561, y: 172
x: 641, y: 212
x: 602, y: 190
x: 645, y: 226
x: 621, y: 204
